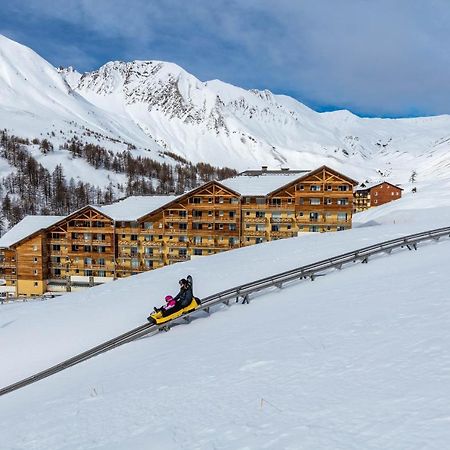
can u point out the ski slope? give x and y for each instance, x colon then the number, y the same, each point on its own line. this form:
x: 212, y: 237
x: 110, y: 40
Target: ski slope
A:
x: 358, y: 358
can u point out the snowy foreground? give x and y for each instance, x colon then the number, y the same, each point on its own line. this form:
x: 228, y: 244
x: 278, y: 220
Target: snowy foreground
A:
x: 357, y: 359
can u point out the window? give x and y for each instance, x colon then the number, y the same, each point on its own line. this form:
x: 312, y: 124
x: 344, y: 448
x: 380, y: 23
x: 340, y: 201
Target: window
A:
x: 100, y: 237
x: 148, y: 251
x: 220, y: 199
x: 340, y: 228
x: 314, y: 187
x: 343, y: 187
x: 329, y: 188
x: 314, y: 201
x: 57, y: 272
x: 35, y: 260
x: 183, y: 226
x: 196, y: 226
x: 232, y: 241
x: 196, y: 200
x: 134, y: 263
x: 149, y: 264
x: 232, y: 227
x: 260, y: 214
x: 88, y: 273
x: 342, y: 201
x: 197, y: 240
x: 182, y: 213
x: 275, y: 228
x: 260, y: 227
x: 232, y: 214
x: 260, y: 201
x: 133, y: 251
x: 275, y: 201
x: 36, y: 284
x: 148, y: 238
x: 313, y: 217
x: 36, y: 272
x: 196, y: 213
x: 182, y: 252
x: 87, y: 236
x: 301, y: 187
x: 247, y: 200
x: 234, y: 200
x: 101, y: 261
x: 133, y: 237
x: 35, y: 248
x: 328, y: 201
x: 87, y: 248
x: 101, y: 273
x: 259, y: 240
x: 148, y: 225
x: 87, y: 261
x: 341, y: 217
x: 313, y: 228
x: 198, y: 251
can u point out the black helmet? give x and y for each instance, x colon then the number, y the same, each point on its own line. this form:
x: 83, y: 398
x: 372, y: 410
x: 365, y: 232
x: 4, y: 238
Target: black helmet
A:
x: 183, y: 281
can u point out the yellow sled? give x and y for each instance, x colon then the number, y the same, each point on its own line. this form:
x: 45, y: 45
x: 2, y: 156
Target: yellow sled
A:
x: 157, y: 317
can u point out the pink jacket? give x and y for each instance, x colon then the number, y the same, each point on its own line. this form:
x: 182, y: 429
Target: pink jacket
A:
x: 170, y: 302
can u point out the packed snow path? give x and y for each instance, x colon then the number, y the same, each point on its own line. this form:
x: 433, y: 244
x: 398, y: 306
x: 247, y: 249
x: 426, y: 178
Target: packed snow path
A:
x: 278, y: 280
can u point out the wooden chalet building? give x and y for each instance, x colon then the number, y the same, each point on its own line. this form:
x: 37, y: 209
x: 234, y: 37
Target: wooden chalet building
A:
x: 97, y: 244
x: 371, y: 195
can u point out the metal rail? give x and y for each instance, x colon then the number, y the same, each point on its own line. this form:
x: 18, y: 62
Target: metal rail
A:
x: 243, y: 291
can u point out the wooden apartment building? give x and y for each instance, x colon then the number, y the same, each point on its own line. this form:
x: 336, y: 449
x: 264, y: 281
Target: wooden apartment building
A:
x: 97, y: 244
x: 370, y: 195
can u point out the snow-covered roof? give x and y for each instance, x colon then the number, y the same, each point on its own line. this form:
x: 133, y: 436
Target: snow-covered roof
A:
x: 26, y: 227
x: 259, y: 185
x: 367, y: 186
x: 132, y: 208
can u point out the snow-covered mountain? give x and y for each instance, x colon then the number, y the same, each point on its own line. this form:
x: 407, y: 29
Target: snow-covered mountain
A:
x: 158, y: 106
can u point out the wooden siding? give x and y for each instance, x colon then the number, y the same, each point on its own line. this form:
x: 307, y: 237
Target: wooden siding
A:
x: 87, y: 246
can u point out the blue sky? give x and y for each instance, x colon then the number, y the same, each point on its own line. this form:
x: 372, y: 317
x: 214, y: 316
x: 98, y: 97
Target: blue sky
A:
x: 387, y: 58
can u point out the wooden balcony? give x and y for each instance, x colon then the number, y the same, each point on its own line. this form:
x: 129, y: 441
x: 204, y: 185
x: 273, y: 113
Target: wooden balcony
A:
x: 152, y: 243
x: 255, y: 220
x: 282, y: 220
x: 249, y: 233
x: 178, y: 257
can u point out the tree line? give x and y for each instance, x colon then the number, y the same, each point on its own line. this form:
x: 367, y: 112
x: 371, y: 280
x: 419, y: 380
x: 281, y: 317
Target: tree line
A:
x: 33, y: 189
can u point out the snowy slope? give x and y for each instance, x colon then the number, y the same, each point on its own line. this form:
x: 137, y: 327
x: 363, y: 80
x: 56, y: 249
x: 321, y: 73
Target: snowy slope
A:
x: 35, y: 100
x: 357, y: 359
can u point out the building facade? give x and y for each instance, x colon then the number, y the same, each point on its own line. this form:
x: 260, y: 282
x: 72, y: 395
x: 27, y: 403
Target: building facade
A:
x: 99, y: 244
x: 369, y: 196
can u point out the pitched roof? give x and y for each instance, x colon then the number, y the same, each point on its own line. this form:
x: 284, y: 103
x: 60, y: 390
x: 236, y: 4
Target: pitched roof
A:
x: 260, y: 185
x: 132, y: 208
x: 366, y: 187
x: 27, y: 227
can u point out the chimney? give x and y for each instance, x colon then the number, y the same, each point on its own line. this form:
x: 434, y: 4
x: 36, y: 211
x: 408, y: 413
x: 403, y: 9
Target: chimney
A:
x: 264, y: 168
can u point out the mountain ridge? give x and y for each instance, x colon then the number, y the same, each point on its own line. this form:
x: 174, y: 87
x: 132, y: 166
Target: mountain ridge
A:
x: 156, y: 107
